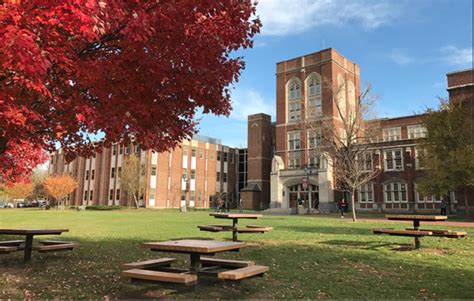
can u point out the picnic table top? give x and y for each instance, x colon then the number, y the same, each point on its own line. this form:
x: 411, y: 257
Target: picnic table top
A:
x: 27, y: 231
x: 194, y: 246
x: 235, y: 215
x: 408, y: 217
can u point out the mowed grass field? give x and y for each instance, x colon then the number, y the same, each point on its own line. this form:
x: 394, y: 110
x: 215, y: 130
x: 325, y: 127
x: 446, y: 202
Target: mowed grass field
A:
x: 309, y: 257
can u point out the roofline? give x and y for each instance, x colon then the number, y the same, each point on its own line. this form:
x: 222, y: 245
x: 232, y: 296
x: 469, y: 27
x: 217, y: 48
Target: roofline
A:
x: 459, y: 71
x: 398, y: 117
x: 325, y: 49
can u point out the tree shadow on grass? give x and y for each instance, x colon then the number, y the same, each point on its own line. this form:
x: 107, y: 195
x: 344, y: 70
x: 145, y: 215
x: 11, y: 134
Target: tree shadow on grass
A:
x: 368, y: 245
x: 328, y: 230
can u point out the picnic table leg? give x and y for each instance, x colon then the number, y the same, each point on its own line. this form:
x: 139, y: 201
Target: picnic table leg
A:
x: 195, y: 262
x: 416, y: 226
x: 28, y: 247
x: 234, y: 229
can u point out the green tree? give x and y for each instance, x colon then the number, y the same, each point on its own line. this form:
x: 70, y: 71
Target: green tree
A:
x: 448, y: 152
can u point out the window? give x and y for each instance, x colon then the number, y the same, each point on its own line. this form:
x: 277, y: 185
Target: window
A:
x: 92, y: 174
x: 153, y: 170
x: 314, y: 161
x: 218, y: 156
x: 420, y: 154
x: 225, y: 177
x: 393, y: 160
x: 421, y: 198
x: 294, y: 162
x: 185, y: 150
x: 416, y: 131
x: 231, y: 158
x: 294, y: 99
x: 120, y: 149
x: 87, y: 175
x: 395, y: 192
x: 85, y: 195
x: 200, y: 155
x: 193, y: 174
x: 212, y: 156
x: 152, y: 193
x: 111, y: 194
x: 314, y: 138
x: 193, y: 152
x: 366, y: 193
x: 313, y: 87
x: 112, y: 174
x: 114, y: 150
x: 119, y: 172
x: 294, y: 141
x: 117, y: 195
x: 218, y: 176
x: 351, y: 101
x: 185, y: 174
x: 392, y: 134
x: 191, y: 196
x: 225, y: 157
x: 183, y: 195
x: 137, y: 149
x: 91, y: 194
x: 367, y: 162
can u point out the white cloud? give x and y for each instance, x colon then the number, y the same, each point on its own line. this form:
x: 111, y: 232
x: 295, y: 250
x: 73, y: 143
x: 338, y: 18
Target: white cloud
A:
x: 247, y: 102
x: 399, y: 56
x: 282, y: 17
x: 457, y: 56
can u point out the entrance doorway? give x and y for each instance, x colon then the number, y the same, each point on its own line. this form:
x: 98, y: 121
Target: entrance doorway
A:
x: 297, y: 192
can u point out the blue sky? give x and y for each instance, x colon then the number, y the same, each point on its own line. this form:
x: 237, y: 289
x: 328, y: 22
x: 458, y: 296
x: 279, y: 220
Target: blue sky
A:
x: 404, y: 49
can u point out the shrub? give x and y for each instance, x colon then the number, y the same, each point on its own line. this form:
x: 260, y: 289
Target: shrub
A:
x: 102, y: 207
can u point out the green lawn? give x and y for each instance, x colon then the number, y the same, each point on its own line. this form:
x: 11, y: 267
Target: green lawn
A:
x: 309, y: 257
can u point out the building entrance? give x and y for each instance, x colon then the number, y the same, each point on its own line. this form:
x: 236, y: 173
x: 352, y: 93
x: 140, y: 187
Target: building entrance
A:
x: 308, y: 196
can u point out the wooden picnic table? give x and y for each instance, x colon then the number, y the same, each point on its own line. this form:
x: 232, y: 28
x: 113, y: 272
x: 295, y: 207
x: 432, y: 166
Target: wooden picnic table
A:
x: 160, y: 270
x: 29, y: 234
x: 417, y: 219
x: 235, y: 220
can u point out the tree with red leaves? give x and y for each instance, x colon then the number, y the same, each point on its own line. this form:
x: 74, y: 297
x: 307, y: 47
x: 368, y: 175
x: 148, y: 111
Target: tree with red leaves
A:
x: 124, y: 69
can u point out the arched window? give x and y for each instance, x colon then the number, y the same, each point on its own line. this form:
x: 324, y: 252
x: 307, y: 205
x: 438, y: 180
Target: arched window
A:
x: 294, y: 99
x: 341, y: 96
x: 313, y: 96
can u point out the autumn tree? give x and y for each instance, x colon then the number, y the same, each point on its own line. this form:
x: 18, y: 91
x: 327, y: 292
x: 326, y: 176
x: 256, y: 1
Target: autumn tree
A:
x: 348, y: 140
x: 20, y: 190
x: 59, y: 187
x: 123, y: 68
x: 448, y: 151
x: 132, y: 178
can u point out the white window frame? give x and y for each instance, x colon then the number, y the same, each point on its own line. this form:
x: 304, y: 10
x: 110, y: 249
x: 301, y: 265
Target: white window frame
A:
x: 392, y: 134
x: 416, y: 131
x: 314, y: 138
x: 426, y: 199
x: 366, y: 193
x: 418, y: 150
x: 314, y: 96
x: 294, y: 136
x: 393, y: 159
x: 393, y: 192
x: 293, y: 97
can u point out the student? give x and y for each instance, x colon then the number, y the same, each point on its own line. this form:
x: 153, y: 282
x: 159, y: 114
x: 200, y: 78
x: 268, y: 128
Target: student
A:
x: 240, y: 206
x: 444, y: 207
x: 342, y: 206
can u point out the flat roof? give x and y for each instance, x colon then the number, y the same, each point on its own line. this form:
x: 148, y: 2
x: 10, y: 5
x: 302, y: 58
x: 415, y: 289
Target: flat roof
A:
x: 459, y: 71
x: 296, y: 57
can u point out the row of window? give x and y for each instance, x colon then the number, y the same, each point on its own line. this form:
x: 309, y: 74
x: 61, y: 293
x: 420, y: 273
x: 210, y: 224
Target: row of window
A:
x: 191, y: 196
x: 314, y: 139
x: 128, y: 149
x: 220, y: 155
x: 395, y: 192
x: 395, y: 133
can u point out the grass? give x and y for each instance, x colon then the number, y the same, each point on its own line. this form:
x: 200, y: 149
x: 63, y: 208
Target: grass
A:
x: 309, y: 257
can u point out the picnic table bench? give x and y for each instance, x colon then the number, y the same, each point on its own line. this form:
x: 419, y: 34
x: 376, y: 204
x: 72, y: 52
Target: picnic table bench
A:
x: 160, y: 270
x: 27, y: 244
x: 416, y: 232
x: 234, y: 228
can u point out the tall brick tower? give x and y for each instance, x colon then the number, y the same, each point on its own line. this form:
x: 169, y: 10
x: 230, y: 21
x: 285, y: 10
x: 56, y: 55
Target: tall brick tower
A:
x: 256, y: 195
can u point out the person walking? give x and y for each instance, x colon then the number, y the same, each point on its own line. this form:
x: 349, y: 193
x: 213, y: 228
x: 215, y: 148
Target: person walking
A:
x: 342, y: 206
x: 240, y: 206
x: 444, y: 207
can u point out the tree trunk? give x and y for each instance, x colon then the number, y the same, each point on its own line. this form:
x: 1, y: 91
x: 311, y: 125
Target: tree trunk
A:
x: 3, y: 144
x: 466, y: 205
x: 354, y: 218
x: 135, y: 200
